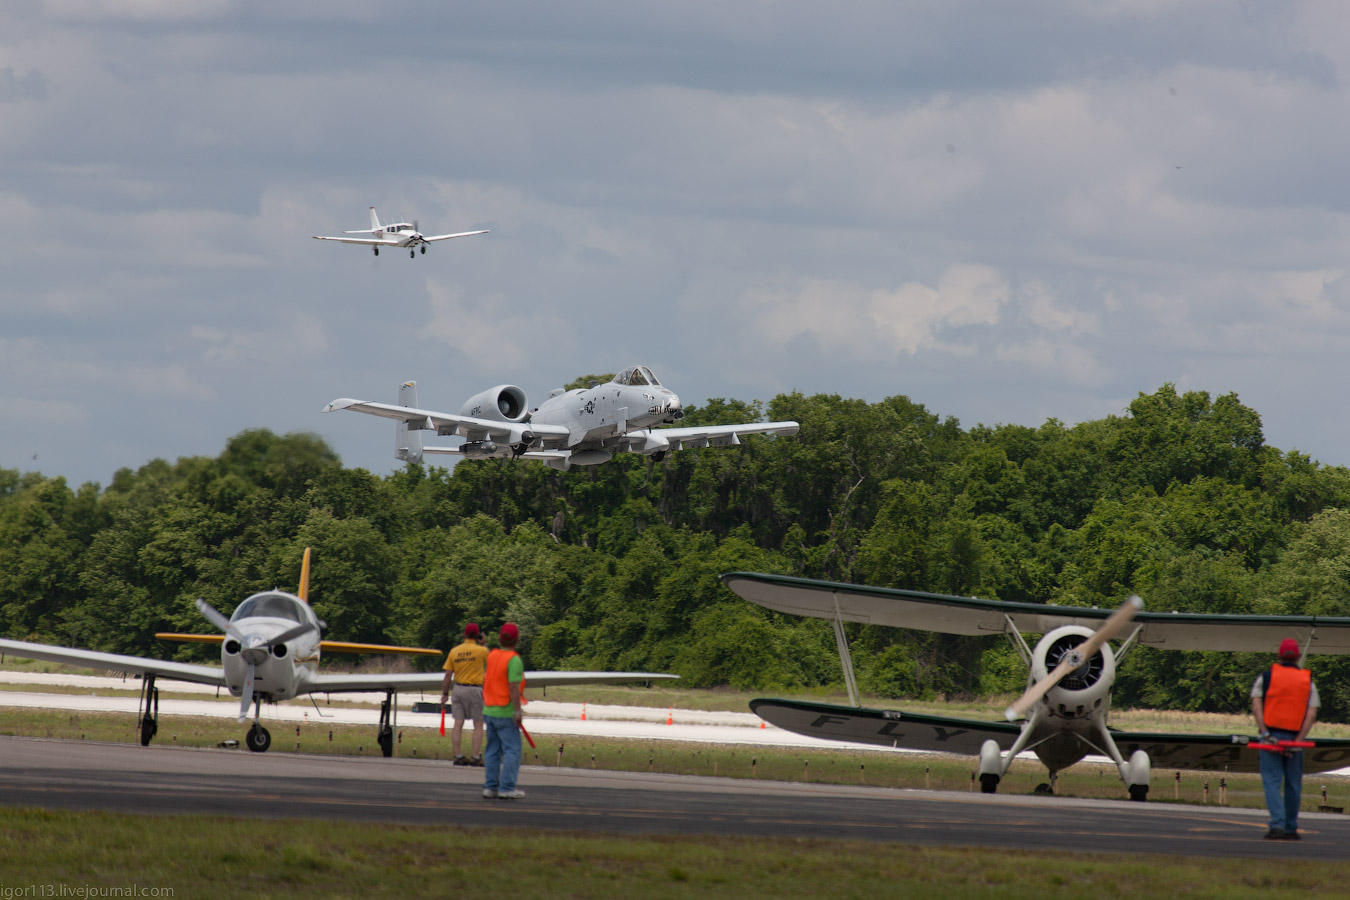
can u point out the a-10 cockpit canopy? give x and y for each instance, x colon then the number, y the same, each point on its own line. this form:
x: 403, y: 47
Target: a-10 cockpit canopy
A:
x: 273, y: 605
x: 636, y: 376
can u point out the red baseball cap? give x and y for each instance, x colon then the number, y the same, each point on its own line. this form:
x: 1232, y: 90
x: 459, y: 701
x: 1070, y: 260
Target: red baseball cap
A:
x: 1288, y: 649
x: 510, y: 632
x: 471, y: 630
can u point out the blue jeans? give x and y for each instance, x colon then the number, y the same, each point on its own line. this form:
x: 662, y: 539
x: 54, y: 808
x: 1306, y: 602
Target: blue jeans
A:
x: 1282, y: 777
x: 501, y: 760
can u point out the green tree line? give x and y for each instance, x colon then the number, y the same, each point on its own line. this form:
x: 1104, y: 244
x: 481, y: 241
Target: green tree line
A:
x: 615, y: 566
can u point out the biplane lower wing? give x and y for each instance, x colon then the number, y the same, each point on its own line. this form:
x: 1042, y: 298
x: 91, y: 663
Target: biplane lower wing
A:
x: 945, y: 734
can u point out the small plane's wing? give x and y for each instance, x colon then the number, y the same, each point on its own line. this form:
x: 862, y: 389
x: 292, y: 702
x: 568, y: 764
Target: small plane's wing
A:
x: 446, y: 237
x: 431, y: 681
x: 116, y: 662
x: 944, y: 734
x: 710, y: 435
x: 382, y: 242
x: 971, y: 615
x: 472, y: 428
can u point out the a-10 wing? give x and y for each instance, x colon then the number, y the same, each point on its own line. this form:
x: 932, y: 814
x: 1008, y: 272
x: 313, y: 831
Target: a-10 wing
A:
x: 970, y: 615
x: 694, y: 437
x: 945, y: 734
x: 116, y: 662
x: 445, y: 424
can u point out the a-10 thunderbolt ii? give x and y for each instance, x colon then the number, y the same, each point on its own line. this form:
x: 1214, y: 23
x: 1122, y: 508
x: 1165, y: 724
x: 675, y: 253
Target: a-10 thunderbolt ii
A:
x: 394, y: 234
x: 580, y: 427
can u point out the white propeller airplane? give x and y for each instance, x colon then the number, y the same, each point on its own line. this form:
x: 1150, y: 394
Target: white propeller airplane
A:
x: 1072, y: 669
x: 269, y: 650
x: 396, y: 234
x: 581, y: 427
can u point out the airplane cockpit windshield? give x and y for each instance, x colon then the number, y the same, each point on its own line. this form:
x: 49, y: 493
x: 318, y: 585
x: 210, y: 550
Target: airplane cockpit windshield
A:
x: 273, y: 606
x: 637, y: 376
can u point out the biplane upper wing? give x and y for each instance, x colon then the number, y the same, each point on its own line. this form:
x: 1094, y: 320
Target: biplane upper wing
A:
x: 971, y: 615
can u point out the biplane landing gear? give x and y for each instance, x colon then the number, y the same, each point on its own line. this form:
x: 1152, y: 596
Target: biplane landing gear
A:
x: 150, y: 715
x: 258, y: 739
x: 388, y: 715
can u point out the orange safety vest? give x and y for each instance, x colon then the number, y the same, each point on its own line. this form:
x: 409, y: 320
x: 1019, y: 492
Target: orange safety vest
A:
x: 496, y: 689
x: 1286, y: 700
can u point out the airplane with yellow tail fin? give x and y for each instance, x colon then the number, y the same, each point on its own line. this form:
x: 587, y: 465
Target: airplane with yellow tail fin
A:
x: 269, y: 650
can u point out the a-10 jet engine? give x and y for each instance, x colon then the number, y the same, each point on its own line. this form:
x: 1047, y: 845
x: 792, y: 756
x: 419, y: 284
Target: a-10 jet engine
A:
x: 503, y: 403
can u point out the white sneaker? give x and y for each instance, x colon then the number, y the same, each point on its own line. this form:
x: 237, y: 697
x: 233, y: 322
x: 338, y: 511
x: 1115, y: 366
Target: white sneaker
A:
x: 515, y: 794
x: 489, y: 793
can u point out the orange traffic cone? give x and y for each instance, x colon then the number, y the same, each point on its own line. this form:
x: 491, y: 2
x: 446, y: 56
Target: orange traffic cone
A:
x: 583, y: 712
x: 670, y: 715
x: 761, y: 723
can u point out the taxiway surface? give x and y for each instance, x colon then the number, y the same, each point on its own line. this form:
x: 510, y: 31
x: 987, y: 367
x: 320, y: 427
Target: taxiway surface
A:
x: 164, y: 780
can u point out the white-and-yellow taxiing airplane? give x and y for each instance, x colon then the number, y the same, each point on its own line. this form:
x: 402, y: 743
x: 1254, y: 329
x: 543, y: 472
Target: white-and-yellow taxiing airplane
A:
x: 269, y: 651
x: 1063, y: 713
x: 399, y: 235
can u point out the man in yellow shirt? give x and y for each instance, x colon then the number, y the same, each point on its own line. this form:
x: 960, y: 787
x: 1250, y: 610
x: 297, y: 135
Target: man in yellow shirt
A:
x: 464, y: 666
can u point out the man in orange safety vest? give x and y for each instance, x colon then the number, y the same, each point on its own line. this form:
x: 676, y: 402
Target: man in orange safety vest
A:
x: 1285, y: 704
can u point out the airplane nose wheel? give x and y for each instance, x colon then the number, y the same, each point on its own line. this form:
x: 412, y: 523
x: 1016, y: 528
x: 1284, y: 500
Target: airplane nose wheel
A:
x: 388, y: 716
x: 150, y: 703
x: 258, y: 739
x: 412, y: 254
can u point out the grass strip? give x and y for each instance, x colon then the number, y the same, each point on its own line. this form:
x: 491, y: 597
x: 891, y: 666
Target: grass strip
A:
x: 61, y: 852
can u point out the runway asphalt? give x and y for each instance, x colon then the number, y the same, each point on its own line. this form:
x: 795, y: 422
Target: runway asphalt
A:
x: 165, y: 780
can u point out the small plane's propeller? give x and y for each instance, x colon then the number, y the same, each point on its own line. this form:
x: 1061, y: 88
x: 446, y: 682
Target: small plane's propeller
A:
x: 254, y: 648
x: 1075, y: 657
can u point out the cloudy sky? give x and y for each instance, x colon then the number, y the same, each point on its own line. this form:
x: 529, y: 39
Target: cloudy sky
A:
x: 1006, y: 212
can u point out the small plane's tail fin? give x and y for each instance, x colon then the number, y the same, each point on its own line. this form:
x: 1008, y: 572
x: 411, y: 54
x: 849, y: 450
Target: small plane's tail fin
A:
x: 407, y: 441
x: 303, y: 592
x: 374, y: 220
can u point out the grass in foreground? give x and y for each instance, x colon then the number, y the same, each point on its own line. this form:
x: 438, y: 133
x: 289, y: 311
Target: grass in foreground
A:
x: 201, y: 856
x: 828, y: 766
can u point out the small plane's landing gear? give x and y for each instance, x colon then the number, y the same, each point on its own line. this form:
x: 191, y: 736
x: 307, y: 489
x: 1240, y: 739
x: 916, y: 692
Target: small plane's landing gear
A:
x: 388, y: 712
x: 150, y: 715
x: 377, y: 250
x: 424, y: 248
x: 412, y: 254
x: 658, y: 456
x: 1139, y: 792
x: 258, y: 739
x: 988, y: 783
x: 1045, y: 788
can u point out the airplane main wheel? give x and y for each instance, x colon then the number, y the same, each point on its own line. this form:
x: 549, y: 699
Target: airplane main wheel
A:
x: 424, y: 249
x: 412, y: 254
x: 988, y: 783
x: 1044, y: 788
x: 148, y: 728
x: 258, y: 739
x: 386, y: 741
x: 1139, y: 792
x: 377, y: 250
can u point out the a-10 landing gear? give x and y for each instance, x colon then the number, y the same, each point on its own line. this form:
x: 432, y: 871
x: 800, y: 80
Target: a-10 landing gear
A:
x: 258, y: 739
x: 147, y: 709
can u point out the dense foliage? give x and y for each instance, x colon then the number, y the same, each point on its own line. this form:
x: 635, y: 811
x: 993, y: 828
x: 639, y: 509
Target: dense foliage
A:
x: 615, y: 566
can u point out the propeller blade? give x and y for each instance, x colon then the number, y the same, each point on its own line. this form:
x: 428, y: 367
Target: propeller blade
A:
x: 215, y: 618
x: 290, y: 634
x: 212, y: 615
x: 1075, y: 658
x: 246, y: 698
